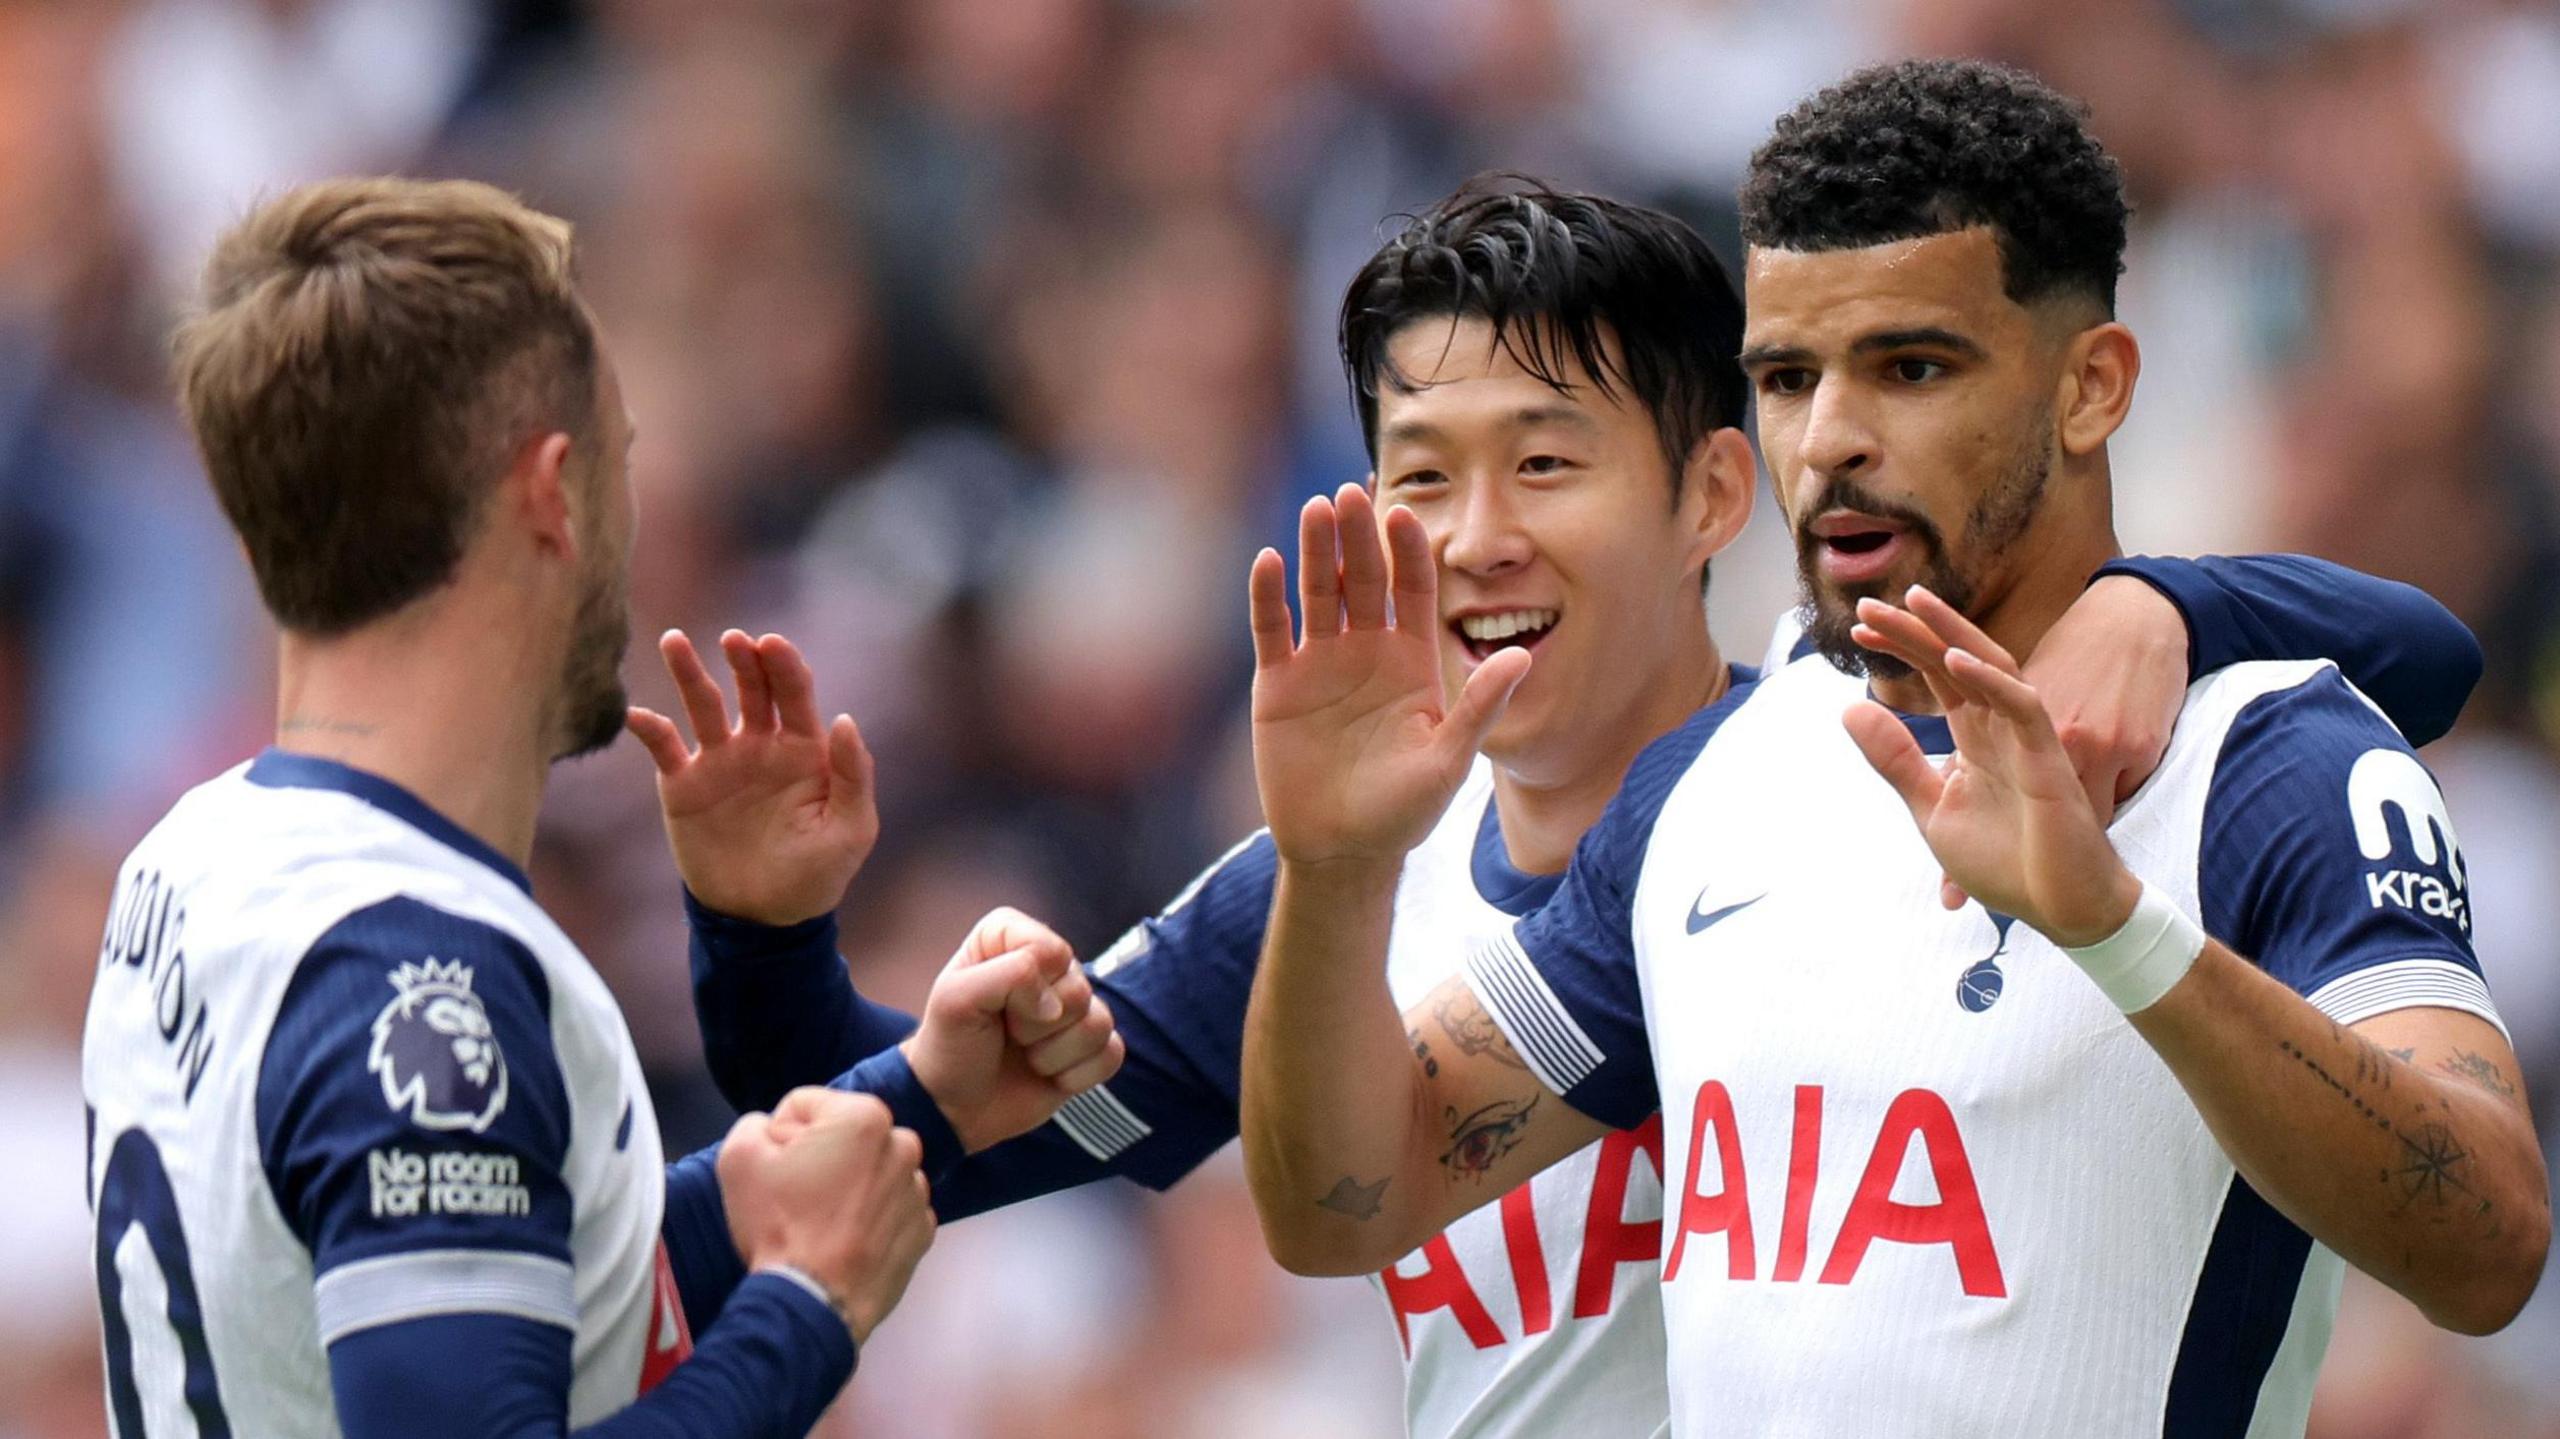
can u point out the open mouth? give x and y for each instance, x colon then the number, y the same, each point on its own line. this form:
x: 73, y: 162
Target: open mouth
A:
x: 1853, y: 548
x: 1482, y: 634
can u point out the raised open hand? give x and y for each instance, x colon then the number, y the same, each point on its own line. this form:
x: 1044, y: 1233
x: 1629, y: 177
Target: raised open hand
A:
x: 772, y: 816
x: 1355, y: 752
x: 2007, y: 816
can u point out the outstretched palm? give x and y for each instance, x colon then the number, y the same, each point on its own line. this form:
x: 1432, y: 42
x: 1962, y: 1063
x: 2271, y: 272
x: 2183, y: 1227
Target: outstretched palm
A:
x: 772, y: 816
x: 1355, y: 753
x: 2007, y: 817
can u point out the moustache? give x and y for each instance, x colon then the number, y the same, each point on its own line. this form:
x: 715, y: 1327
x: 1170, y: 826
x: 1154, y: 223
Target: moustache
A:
x: 1843, y: 493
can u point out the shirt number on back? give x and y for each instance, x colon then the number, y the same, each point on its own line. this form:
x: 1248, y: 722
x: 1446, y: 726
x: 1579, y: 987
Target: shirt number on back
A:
x: 135, y: 1191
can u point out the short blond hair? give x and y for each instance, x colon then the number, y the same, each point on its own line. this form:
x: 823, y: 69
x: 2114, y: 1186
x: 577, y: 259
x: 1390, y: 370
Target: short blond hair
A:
x: 366, y: 358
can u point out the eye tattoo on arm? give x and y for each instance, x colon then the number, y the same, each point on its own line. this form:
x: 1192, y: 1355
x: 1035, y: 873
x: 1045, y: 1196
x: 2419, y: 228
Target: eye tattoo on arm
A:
x: 1471, y: 1029
x: 1478, y: 1142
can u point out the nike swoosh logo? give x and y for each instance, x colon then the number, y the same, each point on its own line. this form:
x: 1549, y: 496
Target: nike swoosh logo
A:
x: 1700, y: 920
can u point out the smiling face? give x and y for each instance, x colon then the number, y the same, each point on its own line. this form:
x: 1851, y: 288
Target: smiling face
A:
x: 1557, y: 528
x: 1908, y: 413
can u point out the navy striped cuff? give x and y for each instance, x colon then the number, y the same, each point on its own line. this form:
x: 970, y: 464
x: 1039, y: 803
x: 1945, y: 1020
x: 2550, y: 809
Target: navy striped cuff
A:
x: 1528, y: 1013
x: 1100, y: 1124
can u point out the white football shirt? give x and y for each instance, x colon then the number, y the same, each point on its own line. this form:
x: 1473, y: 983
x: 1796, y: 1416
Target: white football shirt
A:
x: 1926, y: 1180
x: 1536, y: 1315
x: 341, y: 1072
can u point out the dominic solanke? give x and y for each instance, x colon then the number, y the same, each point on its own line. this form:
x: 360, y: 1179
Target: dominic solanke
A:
x: 406, y: 1184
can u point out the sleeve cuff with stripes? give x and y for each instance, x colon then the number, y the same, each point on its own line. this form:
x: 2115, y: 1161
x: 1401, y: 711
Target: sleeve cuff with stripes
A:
x: 2407, y: 984
x: 1525, y: 1008
x: 369, y: 1292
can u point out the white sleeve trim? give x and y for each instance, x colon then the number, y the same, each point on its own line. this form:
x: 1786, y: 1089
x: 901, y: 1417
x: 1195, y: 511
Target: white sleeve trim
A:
x: 397, y: 1287
x: 807, y: 1282
x: 1526, y: 1010
x: 2406, y: 984
x: 1100, y: 1124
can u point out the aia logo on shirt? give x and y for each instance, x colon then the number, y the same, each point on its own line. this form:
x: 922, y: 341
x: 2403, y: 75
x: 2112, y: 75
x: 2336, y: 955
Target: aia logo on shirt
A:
x: 1610, y: 1242
x: 670, y: 1340
x: 435, y: 1052
x: 2416, y: 863
x: 1916, y: 1117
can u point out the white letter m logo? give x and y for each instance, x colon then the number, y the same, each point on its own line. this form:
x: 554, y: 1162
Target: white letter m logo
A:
x: 2383, y: 779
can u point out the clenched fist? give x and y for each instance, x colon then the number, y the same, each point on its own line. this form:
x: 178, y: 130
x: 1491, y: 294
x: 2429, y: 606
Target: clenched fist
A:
x: 829, y: 1186
x: 1011, y: 1031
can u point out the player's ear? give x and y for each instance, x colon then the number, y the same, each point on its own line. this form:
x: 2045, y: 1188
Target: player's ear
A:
x: 2098, y: 374
x: 1716, y: 489
x: 538, y: 485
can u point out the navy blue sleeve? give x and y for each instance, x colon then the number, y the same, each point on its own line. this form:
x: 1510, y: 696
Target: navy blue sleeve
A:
x: 1562, y: 984
x: 412, y: 1123
x: 767, y: 1370
x: 2392, y: 641
x: 1177, y: 986
x: 776, y: 1008
x: 700, y: 1253
x: 2327, y: 856
x: 886, y: 1077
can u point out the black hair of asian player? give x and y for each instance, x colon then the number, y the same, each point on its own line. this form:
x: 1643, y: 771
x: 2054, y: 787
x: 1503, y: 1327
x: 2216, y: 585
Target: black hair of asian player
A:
x: 1554, y: 273
x: 1927, y: 147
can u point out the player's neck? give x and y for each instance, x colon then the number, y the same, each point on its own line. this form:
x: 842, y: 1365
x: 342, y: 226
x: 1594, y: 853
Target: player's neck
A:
x: 443, y: 700
x: 1546, y: 809
x: 2061, y: 558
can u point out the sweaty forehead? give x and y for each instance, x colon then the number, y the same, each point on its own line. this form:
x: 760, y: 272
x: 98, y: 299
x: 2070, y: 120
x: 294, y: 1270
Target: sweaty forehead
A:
x: 1815, y: 299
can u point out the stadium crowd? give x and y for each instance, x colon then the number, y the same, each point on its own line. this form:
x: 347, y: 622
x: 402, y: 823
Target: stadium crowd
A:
x: 977, y: 345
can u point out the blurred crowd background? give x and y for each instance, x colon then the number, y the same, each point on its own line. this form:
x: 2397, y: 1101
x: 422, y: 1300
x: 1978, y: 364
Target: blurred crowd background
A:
x: 978, y: 343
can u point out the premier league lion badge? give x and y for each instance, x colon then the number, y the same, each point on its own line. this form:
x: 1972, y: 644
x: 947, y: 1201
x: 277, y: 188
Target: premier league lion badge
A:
x: 436, y: 1053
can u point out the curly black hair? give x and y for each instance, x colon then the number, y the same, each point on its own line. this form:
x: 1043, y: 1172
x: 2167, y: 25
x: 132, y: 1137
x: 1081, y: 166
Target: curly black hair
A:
x: 1550, y: 271
x: 1923, y: 147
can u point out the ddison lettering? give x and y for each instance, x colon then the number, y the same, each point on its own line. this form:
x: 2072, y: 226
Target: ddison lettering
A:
x: 1916, y: 1116
x: 143, y: 930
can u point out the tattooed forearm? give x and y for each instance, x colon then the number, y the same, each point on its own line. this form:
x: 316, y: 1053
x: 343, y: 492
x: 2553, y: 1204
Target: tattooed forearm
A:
x: 1473, y: 1030
x: 2479, y: 1070
x: 2371, y: 1073
x: 2434, y: 1164
x: 1353, y: 1200
x: 2373, y: 1063
x: 1478, y: 1142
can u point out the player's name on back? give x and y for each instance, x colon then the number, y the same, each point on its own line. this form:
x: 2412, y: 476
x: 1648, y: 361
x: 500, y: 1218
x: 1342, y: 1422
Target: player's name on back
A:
x: 143, y: 930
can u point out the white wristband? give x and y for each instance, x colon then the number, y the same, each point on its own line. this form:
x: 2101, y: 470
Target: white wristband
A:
x: 2138, y: 963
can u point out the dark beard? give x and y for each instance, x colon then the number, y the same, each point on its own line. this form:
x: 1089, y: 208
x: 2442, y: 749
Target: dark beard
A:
x: 1999, y: 519
x: 592, y: 699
